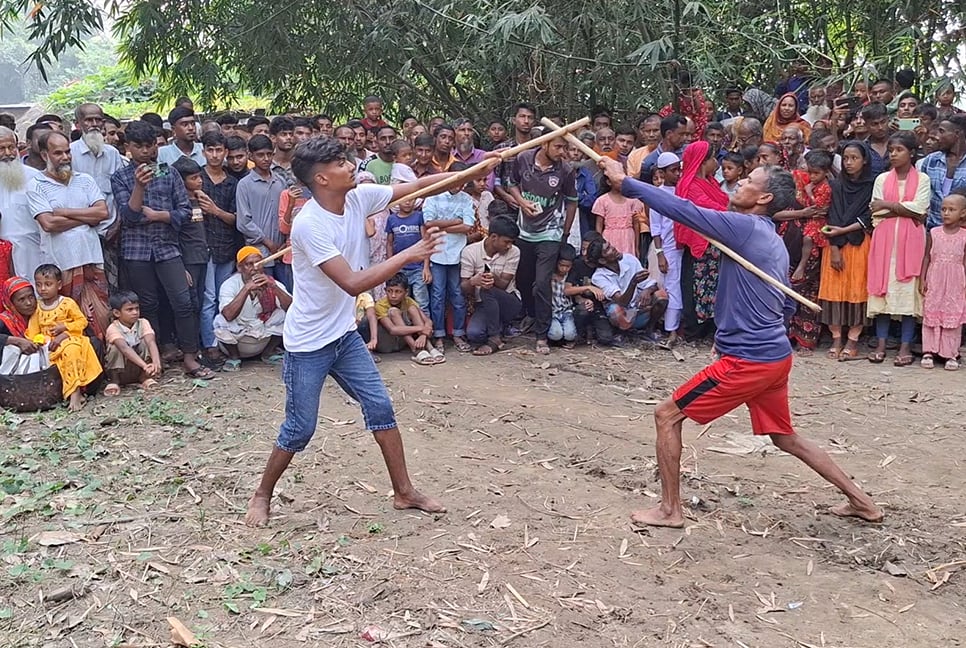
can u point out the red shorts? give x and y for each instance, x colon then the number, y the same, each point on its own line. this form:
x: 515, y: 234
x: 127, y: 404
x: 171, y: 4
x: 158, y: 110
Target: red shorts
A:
x: 730, y: 382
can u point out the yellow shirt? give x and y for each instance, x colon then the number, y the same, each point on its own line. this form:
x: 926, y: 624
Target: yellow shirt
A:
x: 383, y: 306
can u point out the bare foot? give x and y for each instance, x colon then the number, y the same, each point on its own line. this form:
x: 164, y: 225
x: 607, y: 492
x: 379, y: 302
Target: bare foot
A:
x: 657, y: 517
x: 258, y: 511
x: 76, y: 402
x: 417, y: 500
x: 865, y: 512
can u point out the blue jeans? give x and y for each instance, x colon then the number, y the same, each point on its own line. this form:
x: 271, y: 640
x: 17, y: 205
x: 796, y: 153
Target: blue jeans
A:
x: 419, y: 287
x: 216, y: 275
x: 446, y: 287
x: 304, y: 374
x: 562, y: 327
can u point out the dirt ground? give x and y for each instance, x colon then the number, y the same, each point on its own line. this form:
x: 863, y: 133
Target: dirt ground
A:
x: 130, y: 514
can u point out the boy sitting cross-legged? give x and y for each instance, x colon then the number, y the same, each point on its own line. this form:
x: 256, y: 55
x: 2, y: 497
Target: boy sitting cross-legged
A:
x: 407, y: 325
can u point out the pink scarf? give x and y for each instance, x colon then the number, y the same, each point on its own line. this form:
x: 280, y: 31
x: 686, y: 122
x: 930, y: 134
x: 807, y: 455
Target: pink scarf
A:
x: 911, y: 236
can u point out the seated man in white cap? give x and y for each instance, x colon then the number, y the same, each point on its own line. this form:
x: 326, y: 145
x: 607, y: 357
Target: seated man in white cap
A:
x: 252, y: 312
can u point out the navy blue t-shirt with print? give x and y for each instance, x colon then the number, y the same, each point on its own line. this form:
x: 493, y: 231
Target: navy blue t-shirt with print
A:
x: 406, y: 233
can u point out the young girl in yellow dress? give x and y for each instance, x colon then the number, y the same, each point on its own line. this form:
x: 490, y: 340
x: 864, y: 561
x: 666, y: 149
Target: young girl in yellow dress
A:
x: 61, y: 322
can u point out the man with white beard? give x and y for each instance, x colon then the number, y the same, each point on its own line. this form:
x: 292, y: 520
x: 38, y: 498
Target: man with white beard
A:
x: 91, y: 154
x: 817, y: 107
x: 16, y: 223
x: 69, y: 206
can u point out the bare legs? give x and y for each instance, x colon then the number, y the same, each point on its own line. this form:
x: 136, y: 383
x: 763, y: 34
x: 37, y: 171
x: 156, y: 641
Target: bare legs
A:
x: 391, y: 445
x: 668, y: 419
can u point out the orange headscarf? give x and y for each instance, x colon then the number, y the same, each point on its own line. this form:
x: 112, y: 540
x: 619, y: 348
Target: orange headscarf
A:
x: 774, y: 125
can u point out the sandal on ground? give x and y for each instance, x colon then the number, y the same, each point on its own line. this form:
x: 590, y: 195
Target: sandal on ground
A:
x: 423, y: 358
x: 834, y: 353
x: 877, y: 357
x: 439, y: 344
x: 927, y: 361
x: 274, y: 359
x: 112, y: 389
x: 461, y: 344
x: 952, y: 365
x: 437, y: 355
x: 200, y: 373
x: 484, y: 350
x: 903, y: 361
x: 149, y: 384
x: 850, y: 352
x: 569, y: 345
x: 231, y: 365
x: 542, y: 347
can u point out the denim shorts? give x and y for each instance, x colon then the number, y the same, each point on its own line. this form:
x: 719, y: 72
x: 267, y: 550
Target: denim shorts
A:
x: 350, y: 364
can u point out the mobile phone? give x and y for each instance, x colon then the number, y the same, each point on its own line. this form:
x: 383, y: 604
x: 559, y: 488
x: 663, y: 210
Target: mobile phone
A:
x: 852, y: 102
x: 827, y: 229
x: 161, y: 170
x: 486, y: 269
x: 909, y: 123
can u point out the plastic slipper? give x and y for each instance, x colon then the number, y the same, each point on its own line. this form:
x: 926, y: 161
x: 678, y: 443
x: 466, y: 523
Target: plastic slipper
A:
x: 461, y: 345
x: 112, y: 389
x: 231, y: 365
x: 423, y: 358
x: 274, y: 359
x: 437, y: 355
x: 201, y: 373
x: 484, y: 350
x: 149, y: 384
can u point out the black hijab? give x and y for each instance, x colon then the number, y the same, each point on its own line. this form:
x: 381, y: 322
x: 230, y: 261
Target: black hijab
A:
x: 851, y: 198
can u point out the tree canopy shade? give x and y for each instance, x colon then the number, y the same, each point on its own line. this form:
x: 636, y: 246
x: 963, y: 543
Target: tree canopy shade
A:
x: 476, y: 57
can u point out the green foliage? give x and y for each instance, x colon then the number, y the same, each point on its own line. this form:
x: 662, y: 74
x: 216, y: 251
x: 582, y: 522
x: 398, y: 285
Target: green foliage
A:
x: 476, y: 57
x: 113, y: 87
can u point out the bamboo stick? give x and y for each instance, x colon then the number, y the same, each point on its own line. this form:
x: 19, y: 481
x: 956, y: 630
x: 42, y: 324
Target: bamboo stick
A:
x: 737, y: 258
x: 462, y: 176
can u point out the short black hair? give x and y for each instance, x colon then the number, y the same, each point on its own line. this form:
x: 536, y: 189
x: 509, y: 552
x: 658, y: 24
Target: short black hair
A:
x: 504, y: 226
x: 567, y: 253
x: 372, y: 99
x: 185, y: 166
x: 816, y: 137
x: 304, y: 122
x: 226, y: 119
x: 441, y: 127
x: 425, y: 139
x: 118, y: 299
x: 819, y: 159
x: 735, y: 158
x: 625, y: 129
x: 881, y: 80
x: 749, y: 153
x: 37, y: 127
x: 153, y: 118
x: 140, y: 131
x: 256, y: 120
x: 281, y: 123
x: 672, y: 122
x: 459, y: 166
x: 874, y: 111
x: 523, y: 105
x: 384, y: 127
x: 214, y: 138
x: 320, y: 150
x: 906, y: 139
x: 959, y: 121
x: 234, y: 143
x: 926, y: 110
x: 595, y: 250
x: 398, y: 280
x: 112, y: 120
x: 49, y: 270
x: 905, y: 78
x: 260, y: 143
x: 714, y: 126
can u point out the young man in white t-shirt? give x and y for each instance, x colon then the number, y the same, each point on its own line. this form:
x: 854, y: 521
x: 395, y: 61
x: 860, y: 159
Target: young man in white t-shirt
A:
x: 330, y: 257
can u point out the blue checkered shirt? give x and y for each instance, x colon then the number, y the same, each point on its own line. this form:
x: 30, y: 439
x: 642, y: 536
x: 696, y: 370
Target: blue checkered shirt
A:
x: 141, y: 239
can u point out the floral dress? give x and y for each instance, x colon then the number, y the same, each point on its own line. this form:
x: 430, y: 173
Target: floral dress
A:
x: 805, y: 327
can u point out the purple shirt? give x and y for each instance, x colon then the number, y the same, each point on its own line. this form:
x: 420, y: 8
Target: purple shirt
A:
x: 749, y: 313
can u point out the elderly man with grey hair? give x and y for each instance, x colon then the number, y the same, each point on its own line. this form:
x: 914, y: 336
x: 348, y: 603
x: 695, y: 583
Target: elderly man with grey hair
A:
x: 17, y: 225
x: 793, y: 146
x: 92, y: 155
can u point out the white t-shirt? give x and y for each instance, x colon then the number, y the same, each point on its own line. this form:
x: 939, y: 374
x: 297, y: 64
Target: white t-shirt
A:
x: 321, y: 311
x: 79, y: 245
x: 614, y: 285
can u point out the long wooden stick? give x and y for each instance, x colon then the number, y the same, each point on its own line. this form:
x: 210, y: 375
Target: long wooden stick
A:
x: 461, y: 177
x: 737, y: 258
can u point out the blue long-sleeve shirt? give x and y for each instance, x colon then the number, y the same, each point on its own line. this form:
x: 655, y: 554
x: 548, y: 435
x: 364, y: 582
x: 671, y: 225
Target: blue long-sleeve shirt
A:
x: 749, y: 313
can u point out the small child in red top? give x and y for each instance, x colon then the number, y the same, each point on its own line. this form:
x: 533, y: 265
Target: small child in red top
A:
x: 805, y: 225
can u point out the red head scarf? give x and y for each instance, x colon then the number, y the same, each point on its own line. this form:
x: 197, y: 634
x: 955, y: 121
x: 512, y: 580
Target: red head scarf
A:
x: 16, y: 323
x: 703, y: 192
